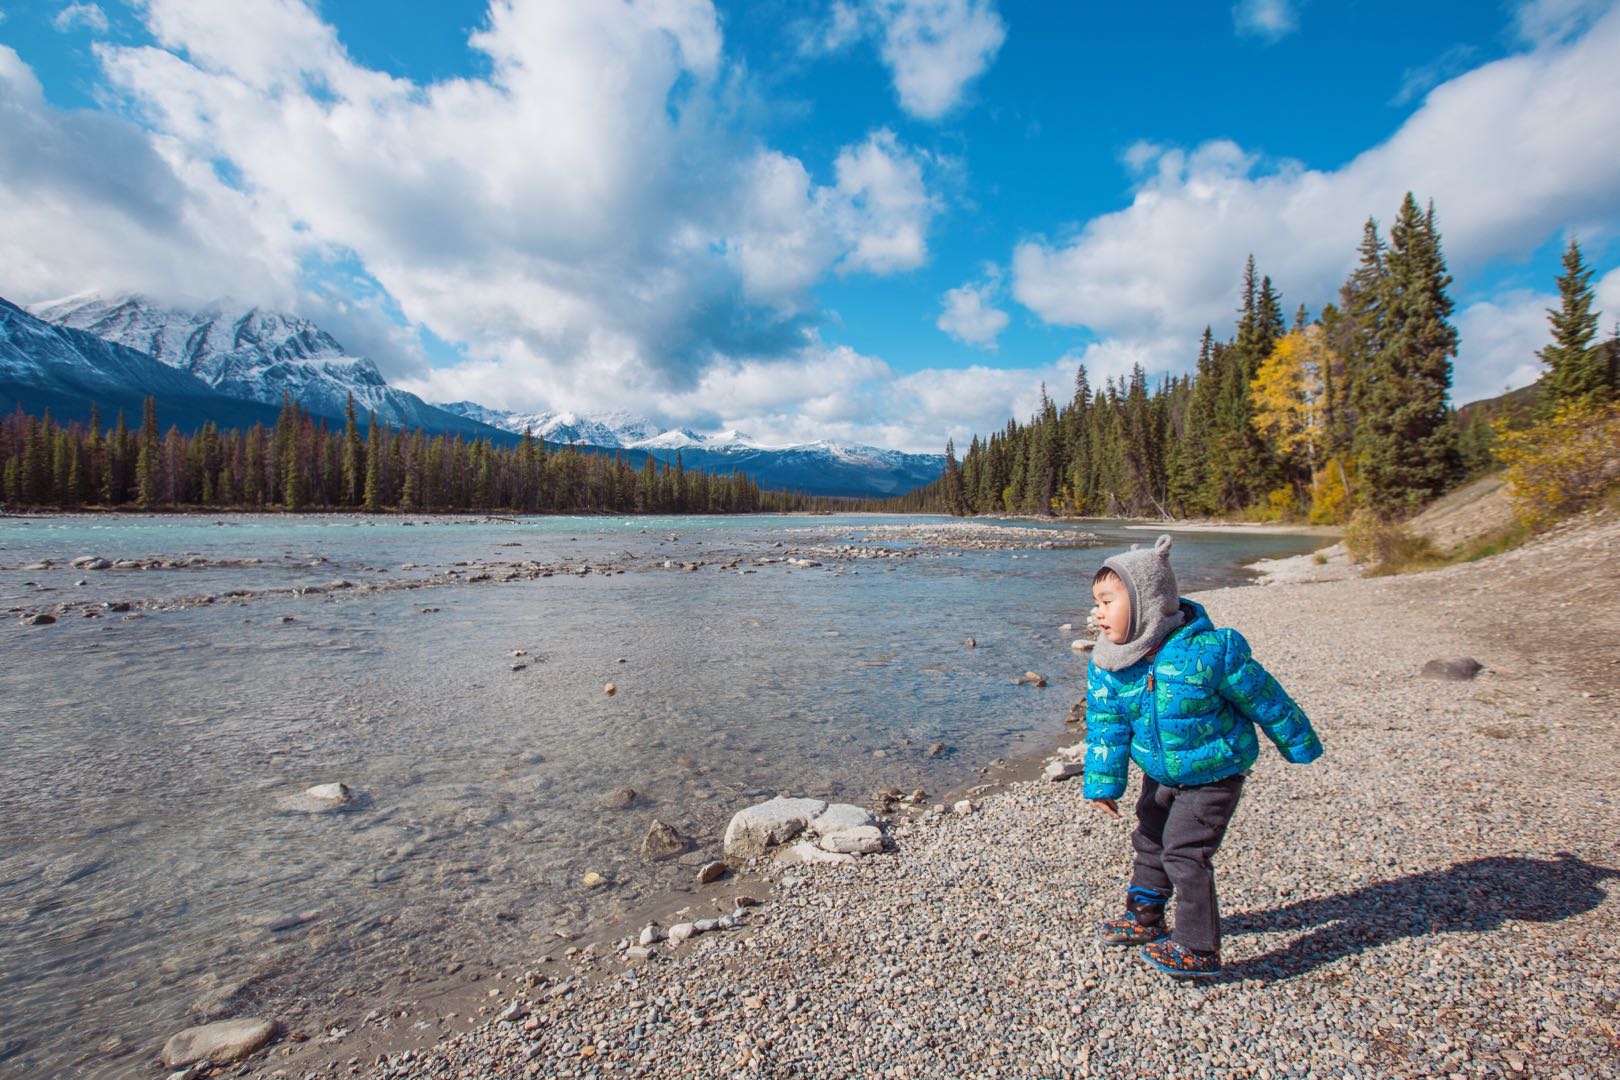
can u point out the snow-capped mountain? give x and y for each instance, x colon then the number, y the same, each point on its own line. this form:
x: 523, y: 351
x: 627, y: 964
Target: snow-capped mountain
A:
x: 253, y: 354
x: 45, y: 366
x: 613, y: 430
x: 233, y: 365
x: 818, y: 468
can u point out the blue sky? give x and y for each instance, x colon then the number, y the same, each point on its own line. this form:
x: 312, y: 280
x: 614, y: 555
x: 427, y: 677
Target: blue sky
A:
x: 885, y: 221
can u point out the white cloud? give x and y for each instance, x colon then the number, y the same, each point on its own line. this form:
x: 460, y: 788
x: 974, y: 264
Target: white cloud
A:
x: 1272, y: 20
x: 1541, y: 21
x: 780, y: 243
x: 845, y: 25
x: 883, y: 206
x: 89, y: 16
x: 970, y: 315
x: 1607, y: 293
x: 788, y: 231
x: 1538, y: 125
x: 932, y: 48
x: 1417, y: 81
x: 1499, y: 341
x: 94, y: 204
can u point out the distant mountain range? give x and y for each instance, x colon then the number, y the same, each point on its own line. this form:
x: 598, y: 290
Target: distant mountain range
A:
x: 45, y: 366
x: 820, y: 468
x: 233, y: 366
x: 255, y: 355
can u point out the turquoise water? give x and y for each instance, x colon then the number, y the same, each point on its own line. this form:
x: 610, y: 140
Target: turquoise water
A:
x: 148, y: 872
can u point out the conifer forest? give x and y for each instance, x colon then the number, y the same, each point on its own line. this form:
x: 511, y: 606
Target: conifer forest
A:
x: 302, y: 464
x: 1303, y: 419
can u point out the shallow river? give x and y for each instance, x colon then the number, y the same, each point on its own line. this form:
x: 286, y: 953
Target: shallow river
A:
x: 149, y: 876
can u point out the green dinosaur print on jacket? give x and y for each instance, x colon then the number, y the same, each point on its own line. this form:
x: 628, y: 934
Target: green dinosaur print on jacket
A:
x: 1188, y: 714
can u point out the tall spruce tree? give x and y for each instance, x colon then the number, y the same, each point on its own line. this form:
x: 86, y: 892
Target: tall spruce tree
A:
x: 146, y: 460
x: 1576, y: 371
x: 1407, y: 443
x: 954, y: 502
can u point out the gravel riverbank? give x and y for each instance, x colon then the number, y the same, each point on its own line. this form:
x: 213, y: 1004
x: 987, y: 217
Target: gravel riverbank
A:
x: 1438, y: 896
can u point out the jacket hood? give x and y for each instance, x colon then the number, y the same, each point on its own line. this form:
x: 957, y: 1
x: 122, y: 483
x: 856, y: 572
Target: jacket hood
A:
x: 1150, y: 586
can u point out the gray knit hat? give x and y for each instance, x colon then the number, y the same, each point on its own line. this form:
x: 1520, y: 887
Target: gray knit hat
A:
x: 1150, y: 586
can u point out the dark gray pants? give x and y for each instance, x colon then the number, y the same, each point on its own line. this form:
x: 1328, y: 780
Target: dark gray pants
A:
x: 1178, y: 831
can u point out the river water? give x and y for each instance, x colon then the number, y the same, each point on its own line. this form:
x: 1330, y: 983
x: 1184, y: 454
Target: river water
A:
x: 151, y: 877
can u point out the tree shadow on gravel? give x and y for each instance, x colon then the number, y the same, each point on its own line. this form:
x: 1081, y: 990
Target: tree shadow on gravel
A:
x: 1477, y: 895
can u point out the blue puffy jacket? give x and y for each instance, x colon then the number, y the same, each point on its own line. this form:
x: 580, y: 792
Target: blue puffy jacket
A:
x: 1187, y: 714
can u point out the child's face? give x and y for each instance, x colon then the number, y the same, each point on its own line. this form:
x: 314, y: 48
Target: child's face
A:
x: 1113, y: 610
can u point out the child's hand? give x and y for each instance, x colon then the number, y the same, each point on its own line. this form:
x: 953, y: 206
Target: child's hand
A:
x: 1107, y: 806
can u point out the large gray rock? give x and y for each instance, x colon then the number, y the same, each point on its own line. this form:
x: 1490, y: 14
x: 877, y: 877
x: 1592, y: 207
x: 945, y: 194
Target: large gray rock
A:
x: 840, y: 817
x: 221, y: 1041
x: 757, y: 829
x: 1455, y: 669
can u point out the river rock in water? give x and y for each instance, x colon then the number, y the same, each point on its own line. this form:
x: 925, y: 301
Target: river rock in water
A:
x: 662, y: 841
x: 759, y: 828
x: 318, y: 799
x: 221, y: 1041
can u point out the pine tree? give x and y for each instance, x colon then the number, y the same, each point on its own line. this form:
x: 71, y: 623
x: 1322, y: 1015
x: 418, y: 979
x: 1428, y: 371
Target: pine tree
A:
x: 1576, y: 371
x: 954, y: 502
x: 146, y: 461
x: 371, y: 498
x: 1406, y: 440
x: 354, y: 468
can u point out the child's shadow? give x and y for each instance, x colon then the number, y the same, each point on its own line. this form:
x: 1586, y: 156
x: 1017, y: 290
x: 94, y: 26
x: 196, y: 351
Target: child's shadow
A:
x: 1477, y: 895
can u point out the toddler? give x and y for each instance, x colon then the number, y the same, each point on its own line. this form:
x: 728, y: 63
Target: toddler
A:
x: 1169, y: 691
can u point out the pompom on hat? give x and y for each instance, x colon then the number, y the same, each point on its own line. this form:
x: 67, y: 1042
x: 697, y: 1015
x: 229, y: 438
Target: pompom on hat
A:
x: 1150, y: 587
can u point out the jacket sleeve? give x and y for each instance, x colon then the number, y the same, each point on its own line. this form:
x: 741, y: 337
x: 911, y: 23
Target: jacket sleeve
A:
x: 1261, y: 698
x: 1108, y: 740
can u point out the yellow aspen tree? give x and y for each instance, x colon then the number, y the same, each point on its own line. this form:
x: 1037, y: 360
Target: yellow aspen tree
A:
x: 1286, y: 399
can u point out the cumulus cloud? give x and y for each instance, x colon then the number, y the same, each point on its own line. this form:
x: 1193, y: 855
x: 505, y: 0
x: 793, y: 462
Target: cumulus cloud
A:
x: 970, y: 315
x: 1540, y: 21
x: 1500, y: 338
x: 1607, y: 292
x: 932, y: 48
x: 570, y: 218
x: 93, y: 203
x: 1417, y: 81
x: 882, y: 205
x: 1538, y: 124
x: 788, y: 231
x: 1271, y: 20
x: 89, y: 16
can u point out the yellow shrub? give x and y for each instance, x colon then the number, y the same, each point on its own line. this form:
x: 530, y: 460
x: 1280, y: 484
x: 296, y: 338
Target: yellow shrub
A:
x: 1279, y: 504
x: 1331, y: 504
x: 1563, y: 465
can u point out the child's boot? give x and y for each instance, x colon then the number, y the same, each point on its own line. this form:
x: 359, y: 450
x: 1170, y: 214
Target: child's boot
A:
x: 1142, y: 922
x: 1180, y: 962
